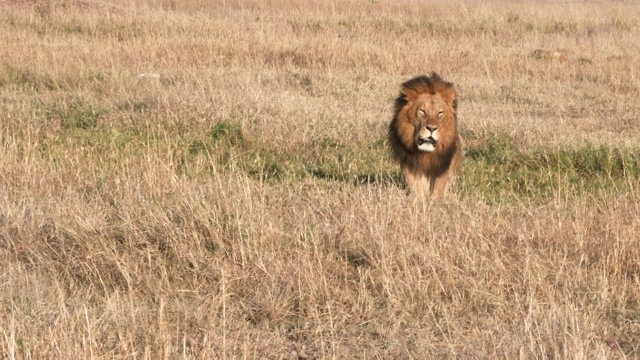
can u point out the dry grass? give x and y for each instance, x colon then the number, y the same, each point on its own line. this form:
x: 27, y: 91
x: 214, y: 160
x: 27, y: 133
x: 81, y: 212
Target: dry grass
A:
x: 238, y: 200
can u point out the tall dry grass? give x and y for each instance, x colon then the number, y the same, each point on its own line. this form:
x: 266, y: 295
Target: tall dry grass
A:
x: 185, y: 179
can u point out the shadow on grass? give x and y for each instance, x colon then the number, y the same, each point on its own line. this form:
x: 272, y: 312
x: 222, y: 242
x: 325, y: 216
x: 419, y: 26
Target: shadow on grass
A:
x: 389, y: 178
x: 496, y: 170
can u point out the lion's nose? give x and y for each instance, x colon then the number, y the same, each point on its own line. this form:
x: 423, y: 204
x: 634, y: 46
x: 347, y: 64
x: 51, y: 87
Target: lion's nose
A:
x: 432, y: 128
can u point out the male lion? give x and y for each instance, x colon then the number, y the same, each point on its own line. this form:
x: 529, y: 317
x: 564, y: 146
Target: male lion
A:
x: 424, y: 134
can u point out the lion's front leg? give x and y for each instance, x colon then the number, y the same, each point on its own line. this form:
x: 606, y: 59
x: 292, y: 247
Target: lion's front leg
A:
x: 438, y: 185
x: 417, y: 183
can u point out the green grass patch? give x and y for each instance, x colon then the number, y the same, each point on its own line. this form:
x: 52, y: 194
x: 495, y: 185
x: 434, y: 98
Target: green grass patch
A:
x: 496, y: 171
x: 76, y: 115
x: 227, y: 132
x: 500, y: 171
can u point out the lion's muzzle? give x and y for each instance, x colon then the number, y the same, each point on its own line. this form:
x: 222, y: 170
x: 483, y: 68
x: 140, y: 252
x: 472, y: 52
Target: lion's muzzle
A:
x: 427, y: 138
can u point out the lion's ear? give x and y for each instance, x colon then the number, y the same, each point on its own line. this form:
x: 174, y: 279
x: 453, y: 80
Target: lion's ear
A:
x: 448, y: 94
x: 409, y: 93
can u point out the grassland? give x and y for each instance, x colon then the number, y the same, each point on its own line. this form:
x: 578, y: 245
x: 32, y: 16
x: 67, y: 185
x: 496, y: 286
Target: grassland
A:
x: 212, y: 180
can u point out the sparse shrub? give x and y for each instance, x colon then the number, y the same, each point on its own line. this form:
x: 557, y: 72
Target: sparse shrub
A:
x: 196, y: 147
x: 76, y: 115
x: 227, y: 132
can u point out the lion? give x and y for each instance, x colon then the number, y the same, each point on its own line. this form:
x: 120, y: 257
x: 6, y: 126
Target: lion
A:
x: 423, y: 134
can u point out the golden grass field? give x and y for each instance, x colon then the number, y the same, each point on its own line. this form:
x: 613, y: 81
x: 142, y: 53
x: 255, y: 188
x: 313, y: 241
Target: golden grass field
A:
x: 212, y: 180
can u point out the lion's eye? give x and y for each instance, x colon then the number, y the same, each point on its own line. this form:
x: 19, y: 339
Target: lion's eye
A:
x: 440, y: 113
x: 421, y: 112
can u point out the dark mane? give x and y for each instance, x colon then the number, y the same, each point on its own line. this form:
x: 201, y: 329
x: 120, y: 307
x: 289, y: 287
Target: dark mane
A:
x: 420, y: 85
x: 424, y: 83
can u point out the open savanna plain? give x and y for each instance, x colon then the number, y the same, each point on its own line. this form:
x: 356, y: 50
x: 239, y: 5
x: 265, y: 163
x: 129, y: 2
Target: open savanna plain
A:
x: 212, y: 180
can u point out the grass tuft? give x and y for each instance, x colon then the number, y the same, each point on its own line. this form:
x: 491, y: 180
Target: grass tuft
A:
x: 77, y: 116
x: 227, y: 132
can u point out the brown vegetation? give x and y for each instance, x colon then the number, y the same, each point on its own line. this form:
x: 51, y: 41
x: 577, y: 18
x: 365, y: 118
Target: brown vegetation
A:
x: 239, y: 201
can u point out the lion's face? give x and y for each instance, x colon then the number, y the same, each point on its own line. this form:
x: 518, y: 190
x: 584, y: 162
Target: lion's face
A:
x: 429, y: 115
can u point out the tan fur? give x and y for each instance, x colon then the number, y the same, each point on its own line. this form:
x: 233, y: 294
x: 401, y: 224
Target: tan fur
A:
x: 426, y: 103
